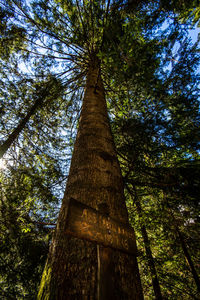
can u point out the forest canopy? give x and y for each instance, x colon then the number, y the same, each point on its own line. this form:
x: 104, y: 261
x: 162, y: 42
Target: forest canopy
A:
x: 150, y: 71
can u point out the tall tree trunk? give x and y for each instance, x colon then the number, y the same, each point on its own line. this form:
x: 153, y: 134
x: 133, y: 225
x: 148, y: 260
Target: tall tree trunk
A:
x: 149, y: 255
x: 40, y: 99
x: 71, y: 270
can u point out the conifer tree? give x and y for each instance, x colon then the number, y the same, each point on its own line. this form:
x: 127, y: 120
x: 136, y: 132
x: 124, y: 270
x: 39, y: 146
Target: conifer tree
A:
x: 114, y: 51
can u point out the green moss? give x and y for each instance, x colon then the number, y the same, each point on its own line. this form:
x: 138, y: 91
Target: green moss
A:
x: 45, y: 285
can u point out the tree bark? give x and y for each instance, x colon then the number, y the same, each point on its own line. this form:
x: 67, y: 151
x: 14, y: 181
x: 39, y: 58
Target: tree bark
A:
x: 71, y: 270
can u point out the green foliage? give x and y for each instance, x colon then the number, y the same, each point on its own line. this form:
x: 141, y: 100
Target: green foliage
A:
x: 189, y: 9
x: 24, y: 244
x: 150, y: 72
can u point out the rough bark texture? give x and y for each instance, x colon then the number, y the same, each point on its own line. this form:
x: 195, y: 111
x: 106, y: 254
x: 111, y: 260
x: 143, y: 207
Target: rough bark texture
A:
x: 71, y: 271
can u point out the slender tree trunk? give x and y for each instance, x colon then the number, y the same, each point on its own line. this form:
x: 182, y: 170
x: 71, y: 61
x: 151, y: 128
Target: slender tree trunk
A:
x: 186, y: 252
x: 42, y: 94
x: 184, y: 246
x: 150, y: 259
x: 71, y: 270
x: 155, y: 282
x: 11, y: 138
x: 189, y: 259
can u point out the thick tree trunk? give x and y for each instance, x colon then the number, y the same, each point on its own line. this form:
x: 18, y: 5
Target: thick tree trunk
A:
x: 72, y: 271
